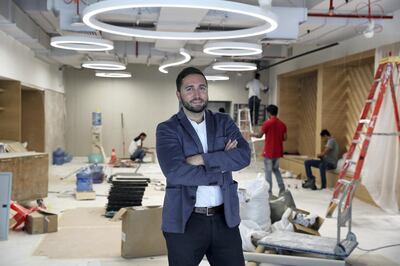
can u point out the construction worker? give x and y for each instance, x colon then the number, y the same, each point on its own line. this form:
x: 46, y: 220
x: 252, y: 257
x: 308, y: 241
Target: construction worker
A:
x: 254, y: 86
x: 136, y: 149
x: 275, y: 134
x: 328, y: 160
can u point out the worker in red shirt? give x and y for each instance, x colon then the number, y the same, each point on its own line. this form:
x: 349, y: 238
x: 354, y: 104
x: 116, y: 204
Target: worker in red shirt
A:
x: 275, y: 134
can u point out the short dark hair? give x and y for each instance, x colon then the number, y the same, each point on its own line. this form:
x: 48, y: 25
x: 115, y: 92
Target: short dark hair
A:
x: 186, y: 72
x: 257, y: 75
x: 272, y: 109
x: 325, y: 133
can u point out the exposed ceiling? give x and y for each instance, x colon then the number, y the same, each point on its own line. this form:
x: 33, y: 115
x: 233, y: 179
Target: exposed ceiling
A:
x: 34, y: 22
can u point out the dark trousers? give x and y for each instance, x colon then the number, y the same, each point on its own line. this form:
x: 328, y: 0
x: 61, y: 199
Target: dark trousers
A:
x: 254, y: 106
x: 138, y: 154
x: 205, y: 235
x: 323, y: 166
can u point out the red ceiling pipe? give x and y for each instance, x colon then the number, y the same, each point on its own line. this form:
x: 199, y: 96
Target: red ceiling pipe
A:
x: 332, y: 14
x: 349, y: 16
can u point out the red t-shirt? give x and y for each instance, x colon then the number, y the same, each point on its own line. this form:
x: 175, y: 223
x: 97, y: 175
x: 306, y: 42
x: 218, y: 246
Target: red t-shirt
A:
x: 274, y: 130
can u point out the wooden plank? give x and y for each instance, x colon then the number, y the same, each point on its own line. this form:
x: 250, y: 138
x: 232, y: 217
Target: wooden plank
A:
x: 10, y: 117
x: 32, y: 124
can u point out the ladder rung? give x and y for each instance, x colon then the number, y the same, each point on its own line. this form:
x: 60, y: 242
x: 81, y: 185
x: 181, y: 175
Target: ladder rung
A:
x: 351, y: 162
x: 378, y: 80
x: 365, y: 121
x: 356, y: 141
x: 344, y: 181
x: 370, y: 101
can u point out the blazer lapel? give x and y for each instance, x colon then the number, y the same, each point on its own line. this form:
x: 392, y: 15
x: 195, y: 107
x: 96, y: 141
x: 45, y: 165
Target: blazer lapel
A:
x: 210, y: 124
x: 188, y: 127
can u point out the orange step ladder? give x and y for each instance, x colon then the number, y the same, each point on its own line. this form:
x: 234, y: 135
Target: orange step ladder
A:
x: 387, y: 70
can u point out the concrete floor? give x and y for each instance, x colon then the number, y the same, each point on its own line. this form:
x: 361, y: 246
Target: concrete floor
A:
x: 372, y: 226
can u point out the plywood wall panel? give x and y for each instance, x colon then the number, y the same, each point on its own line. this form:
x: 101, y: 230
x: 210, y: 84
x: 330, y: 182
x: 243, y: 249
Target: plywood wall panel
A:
x: 307, y: 113
x: 10, y: 113
x: 289, y: 95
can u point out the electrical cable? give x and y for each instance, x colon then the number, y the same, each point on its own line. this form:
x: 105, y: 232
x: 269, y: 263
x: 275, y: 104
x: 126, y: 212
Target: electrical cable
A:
x: 378, y: 248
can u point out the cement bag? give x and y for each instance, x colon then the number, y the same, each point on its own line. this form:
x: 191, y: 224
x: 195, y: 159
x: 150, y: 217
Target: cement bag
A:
x: 284, y: 224
x: 249, y: 230
x: 253, y: 197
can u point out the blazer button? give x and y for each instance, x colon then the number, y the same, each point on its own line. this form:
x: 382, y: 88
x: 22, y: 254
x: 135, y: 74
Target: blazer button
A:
x: 193, y: 197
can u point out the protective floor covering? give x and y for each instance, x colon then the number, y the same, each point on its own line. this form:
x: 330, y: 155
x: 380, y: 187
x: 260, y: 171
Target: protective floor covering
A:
x: 82, y: 233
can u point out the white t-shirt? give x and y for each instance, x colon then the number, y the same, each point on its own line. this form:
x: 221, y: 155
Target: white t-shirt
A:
x: 206, y: 196
x: 254, y: 87
x: 134, y: 145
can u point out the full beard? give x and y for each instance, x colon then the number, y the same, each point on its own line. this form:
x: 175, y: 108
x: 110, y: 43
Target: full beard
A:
x: 195, y: 109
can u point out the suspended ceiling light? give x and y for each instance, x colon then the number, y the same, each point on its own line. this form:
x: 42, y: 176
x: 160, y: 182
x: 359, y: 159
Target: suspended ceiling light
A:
x: 234, y: 66
x: 269, y: 18
x: 176, y: 63
x: 216, y: 77
x: 79, y: 43
x: 104, y: 65
x: 369, y: 30
x: 232, y: 48
x: 118, y: 74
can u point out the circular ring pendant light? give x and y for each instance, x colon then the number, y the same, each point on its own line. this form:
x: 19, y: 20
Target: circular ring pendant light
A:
x: 234, y: 66
x: 117, y: 74
x: 186, y: 58
x: 104, y: 65
x: 216, y: 77
x: 79, y: 43
x: 91, y: 12
x: 232, y: 48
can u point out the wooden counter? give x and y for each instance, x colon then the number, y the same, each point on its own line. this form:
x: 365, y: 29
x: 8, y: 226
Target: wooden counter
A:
x: 30, y: 174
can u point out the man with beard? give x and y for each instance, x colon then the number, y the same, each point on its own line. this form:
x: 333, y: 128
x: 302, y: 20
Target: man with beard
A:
x: 197, y: 150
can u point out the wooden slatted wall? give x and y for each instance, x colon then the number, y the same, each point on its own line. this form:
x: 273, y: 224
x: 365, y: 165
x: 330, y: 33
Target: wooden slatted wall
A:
x: 307, y: 114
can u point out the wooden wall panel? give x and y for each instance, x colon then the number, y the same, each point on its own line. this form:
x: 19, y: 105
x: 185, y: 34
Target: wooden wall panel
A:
x: 33, y: 119
x: 360, y: 80
x: 307, y: 114
x: 10, y: 113
x: 288, y: 103
x: 335, y: 89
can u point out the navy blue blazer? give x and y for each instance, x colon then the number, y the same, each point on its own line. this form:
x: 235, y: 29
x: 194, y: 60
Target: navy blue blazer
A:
x: 176, y: 140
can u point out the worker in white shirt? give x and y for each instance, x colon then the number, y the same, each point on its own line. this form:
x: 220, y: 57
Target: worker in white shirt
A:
x: 136, y: 149
x: 254, y: 86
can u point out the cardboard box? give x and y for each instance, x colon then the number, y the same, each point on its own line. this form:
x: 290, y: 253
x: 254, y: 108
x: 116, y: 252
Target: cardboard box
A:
x: 313, y: 230
x: 141, y: 232
x: 85, y: 195
x: 41, y: 221
x: 12, y: 221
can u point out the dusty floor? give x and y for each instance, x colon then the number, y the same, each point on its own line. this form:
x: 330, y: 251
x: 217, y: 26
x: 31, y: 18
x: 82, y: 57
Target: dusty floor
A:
x: 372, y: 226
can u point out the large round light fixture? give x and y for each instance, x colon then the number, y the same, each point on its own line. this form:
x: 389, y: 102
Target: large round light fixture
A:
x: 117, y: 74
x: 216, y: 77
x: 186, y: 58
x: 269, y: 18
x: 104, y: 65
x: 232, y: 48
x: 79, y: 43
x: 234, y: 66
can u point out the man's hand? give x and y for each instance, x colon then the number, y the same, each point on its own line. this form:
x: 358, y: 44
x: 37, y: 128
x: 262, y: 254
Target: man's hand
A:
x: 231, y: 145
x: 195, y: 160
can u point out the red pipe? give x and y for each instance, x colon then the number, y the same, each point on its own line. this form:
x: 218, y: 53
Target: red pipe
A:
x: 349, y: 16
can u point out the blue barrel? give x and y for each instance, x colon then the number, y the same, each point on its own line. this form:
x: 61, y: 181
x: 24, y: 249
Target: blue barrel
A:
x: 97, y: 173
x: 84, y: 180
x: 58, y: 156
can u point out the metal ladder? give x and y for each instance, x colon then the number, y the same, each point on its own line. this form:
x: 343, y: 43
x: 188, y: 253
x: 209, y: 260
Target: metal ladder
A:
x: 387, y: 69
x: 245, y: 127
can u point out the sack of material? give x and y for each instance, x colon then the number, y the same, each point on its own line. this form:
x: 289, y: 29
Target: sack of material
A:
x: 253, y: 197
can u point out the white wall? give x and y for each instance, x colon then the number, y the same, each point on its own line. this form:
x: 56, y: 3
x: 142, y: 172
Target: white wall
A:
x: 146, y: 99
x: 18, y: 62
x: 389, y: 35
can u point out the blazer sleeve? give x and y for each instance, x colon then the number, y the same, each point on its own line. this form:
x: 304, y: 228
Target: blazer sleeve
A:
x: 232, y: 160
x: 173, y: 162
